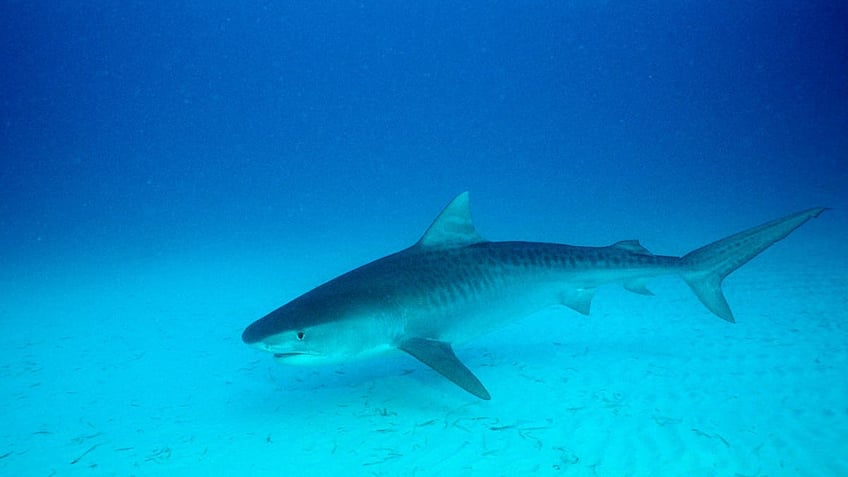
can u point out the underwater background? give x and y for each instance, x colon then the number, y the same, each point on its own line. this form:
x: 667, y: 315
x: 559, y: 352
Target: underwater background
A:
x: 172, y: 172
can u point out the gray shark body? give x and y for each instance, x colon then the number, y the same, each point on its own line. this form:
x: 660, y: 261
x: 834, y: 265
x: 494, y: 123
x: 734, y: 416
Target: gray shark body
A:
x: 453, y: 286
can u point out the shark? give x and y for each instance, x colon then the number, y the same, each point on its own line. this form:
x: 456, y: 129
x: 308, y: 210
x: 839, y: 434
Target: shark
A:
x: 453, y: 286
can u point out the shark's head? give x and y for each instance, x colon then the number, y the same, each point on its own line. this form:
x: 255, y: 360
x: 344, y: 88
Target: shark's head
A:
x: 329, y: 324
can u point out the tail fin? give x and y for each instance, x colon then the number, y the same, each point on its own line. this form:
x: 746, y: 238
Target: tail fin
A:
x: 705, y: 268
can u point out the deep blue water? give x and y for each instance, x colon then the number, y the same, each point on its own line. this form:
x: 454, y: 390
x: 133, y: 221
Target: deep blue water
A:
x: 304, y: 138
x: 141, y: 126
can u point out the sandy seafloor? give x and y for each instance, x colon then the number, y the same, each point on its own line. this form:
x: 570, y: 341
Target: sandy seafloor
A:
x: 136, y: 367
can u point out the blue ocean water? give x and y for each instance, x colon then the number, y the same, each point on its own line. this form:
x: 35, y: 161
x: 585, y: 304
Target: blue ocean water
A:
x: 170, y: 173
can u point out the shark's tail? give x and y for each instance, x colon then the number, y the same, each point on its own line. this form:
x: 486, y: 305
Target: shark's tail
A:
x: 705, y: 268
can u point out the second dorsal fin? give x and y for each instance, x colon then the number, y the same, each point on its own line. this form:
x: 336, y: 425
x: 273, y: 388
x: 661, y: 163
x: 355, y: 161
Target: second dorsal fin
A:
x: 632, y: 246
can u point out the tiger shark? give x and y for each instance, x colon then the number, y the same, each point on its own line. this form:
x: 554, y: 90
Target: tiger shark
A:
x: 453, y: 286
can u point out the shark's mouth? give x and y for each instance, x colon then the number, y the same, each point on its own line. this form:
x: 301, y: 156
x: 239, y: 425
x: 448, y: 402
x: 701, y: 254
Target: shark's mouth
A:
x: 297, y: 358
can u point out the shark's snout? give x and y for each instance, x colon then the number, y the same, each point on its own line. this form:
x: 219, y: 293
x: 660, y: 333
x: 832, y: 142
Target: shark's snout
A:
x: 254, y: 333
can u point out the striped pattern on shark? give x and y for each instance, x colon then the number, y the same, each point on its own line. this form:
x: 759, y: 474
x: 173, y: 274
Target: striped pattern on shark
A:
x: 453, y: 286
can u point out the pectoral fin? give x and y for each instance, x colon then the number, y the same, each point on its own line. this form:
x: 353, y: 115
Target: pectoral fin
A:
x: 440, y: 356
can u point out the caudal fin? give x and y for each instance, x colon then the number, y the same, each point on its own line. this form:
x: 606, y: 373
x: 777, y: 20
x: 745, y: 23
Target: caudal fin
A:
x: 705, y: 268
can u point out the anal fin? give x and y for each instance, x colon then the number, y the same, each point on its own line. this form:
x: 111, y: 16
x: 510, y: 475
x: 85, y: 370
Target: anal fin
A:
x: 579, y: 300
x: 440, y: 356
x: 638, y: 286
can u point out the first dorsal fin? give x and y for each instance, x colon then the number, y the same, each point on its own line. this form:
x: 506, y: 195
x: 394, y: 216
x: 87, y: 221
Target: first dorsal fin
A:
x: 453, y: 226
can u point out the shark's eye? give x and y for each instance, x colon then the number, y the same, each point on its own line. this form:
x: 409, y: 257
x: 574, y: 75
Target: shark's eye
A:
x: 300, y: 336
